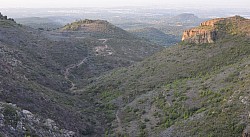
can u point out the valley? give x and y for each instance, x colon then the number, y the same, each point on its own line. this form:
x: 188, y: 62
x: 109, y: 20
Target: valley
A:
x: 40, y: 70
x: 92, y: 78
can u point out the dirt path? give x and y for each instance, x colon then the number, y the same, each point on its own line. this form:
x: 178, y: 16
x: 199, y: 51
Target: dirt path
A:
x: 118, y: 121
x: 67, y: 73
x: 104, y: 40
x: 73, y: 66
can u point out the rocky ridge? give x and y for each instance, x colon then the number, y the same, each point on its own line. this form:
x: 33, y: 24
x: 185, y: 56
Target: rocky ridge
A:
x: 212, y: 30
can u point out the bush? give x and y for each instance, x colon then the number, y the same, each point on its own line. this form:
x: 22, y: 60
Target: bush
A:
x: 10, y: 115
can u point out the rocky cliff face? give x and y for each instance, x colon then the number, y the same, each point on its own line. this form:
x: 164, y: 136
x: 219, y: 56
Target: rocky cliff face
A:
x: 205, y: 33
x: 199, y: 36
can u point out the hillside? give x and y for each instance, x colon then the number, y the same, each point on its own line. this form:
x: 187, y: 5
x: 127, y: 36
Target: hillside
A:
x: 184, y: 90
x: 39, y: 74
x: 156, y: 36
x: 110, y: 47
x: 34, y: 95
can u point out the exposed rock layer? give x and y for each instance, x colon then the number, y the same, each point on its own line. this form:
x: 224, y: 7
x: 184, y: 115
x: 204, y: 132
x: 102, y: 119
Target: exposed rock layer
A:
x: 199, y: 36
x: 205, y: 33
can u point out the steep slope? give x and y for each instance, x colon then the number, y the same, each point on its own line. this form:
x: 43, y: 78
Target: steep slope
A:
x: 32, y: 80
x: 185, y: 90
x: 156, y: 36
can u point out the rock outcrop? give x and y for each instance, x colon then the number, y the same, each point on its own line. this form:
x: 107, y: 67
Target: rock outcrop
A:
x: 205, y: 33
x: 199, y: 36
x: 5, y: 17
x: 15, y: 121
x: 246, y: 132
x: 212, y: 30
x: 212, y: 23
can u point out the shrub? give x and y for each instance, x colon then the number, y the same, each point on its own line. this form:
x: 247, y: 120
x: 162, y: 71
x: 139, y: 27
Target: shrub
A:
x: 10, y: 115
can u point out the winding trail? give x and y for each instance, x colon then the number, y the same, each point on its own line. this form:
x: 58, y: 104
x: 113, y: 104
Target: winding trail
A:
x: 73, y: 66
x: 108, y: 50
x: 67, y: 73
x: 104, y: 40
x: 118, y: 111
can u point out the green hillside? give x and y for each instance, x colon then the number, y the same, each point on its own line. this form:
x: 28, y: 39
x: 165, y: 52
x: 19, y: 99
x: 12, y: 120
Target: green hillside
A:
x: 185, y: 90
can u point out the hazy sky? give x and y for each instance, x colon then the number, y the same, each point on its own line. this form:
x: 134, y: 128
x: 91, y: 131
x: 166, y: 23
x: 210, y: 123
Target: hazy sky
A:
x: 115, y: 3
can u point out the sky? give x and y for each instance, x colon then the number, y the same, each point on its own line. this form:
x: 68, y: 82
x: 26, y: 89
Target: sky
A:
x: 120, y: 3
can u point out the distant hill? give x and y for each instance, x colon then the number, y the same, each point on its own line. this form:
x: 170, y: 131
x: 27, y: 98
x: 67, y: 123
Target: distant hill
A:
x: 96, y: 28
x: 185, y: 17
x: 175, y: 25
x: 156, y: 36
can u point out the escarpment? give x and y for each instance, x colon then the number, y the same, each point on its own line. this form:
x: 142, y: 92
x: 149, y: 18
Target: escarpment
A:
x: 212, y: 30
x: 205, y: 33
x: 199, y: 36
